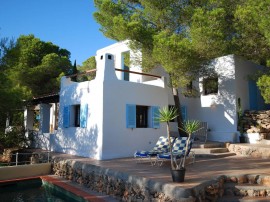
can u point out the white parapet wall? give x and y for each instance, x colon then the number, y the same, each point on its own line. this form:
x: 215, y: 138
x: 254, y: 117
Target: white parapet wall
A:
x: 105, y: 135
x: 24, y: 171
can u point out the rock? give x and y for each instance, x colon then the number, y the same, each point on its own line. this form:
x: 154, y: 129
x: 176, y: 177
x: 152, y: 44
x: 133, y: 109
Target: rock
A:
x: 262, y: 193
x: 250, y: 192
x: 242, y: 179
x: 233, y: 179
x: 266, y: 180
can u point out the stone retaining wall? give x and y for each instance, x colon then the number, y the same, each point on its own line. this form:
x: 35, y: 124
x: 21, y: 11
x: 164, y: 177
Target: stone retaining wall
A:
x: 239, y: 186
x: 256, y: 122
x: 246, y: 150
x: 137, y: 189
x: 122, y: 185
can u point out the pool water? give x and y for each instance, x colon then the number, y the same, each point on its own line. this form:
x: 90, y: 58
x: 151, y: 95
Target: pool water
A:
x: 35, y: 191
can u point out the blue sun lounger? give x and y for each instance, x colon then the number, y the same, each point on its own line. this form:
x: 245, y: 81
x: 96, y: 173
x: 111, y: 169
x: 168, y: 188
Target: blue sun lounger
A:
x: 178, y: 151
x: 161, y: 146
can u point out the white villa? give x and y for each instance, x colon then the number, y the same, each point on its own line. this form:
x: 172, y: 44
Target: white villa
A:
x: 113, y: 115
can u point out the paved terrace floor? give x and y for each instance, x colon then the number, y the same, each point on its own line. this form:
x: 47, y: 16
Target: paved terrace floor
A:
x: 202, y: 170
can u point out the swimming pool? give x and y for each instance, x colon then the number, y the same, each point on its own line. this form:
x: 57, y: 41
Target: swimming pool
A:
x: 35, y: 190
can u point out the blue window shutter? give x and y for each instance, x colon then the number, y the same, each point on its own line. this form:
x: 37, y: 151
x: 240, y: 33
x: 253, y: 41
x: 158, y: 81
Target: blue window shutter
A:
x: 130, y: 116
x: 184, y: 112
x: 154, y: 116
x: 66, y: 116
x: 83, y: 115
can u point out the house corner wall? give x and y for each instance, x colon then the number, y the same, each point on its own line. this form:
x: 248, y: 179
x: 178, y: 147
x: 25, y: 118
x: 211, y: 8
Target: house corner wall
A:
x: 81, y: 141
x: 218, y: 110
x: 244, y: 71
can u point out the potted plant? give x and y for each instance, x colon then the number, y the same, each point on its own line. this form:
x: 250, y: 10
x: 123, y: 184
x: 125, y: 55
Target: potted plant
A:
x: 177, y: 168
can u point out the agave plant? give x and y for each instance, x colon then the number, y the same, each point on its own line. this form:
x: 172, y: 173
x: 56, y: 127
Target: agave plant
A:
x: 165, y: 116
x: 189, y: 126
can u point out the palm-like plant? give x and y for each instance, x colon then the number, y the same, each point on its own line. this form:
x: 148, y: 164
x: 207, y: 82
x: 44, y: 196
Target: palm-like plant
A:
x: 190, y: 126
x: 165, y: 116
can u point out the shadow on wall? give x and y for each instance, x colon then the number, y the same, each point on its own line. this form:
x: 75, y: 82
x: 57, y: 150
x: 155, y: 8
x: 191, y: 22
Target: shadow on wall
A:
x: 226, y: 97
x: 41, y: 140
x: 77, y: 141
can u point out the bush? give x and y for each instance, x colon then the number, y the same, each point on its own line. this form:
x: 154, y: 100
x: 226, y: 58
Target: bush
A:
x: 264, y: 85
x: 14, y: 137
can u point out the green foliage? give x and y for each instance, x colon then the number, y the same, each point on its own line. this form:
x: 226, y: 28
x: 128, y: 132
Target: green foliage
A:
x: 10, y: 95
x: 74, y: 70
x: 126, y: 56
x: 31, y: 62
x: 183, y: 35
x: 264, y: 86
x: 179, y: 35
x: 25, y: 65
x: 37, y: 62
x: 251, y: 22
x: 14, y: 138
x: 190, y: 126
x: 88, y: 64
x: 166, y: 114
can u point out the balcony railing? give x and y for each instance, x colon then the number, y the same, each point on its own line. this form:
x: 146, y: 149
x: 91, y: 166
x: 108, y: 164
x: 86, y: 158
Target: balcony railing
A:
x: 116, y: 69
x: 27, y: 158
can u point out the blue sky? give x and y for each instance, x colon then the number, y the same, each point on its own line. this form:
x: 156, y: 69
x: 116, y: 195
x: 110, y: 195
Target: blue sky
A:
x: 66, y: 23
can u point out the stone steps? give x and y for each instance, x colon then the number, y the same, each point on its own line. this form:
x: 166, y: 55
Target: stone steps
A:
x: 214, y: 155
x: 210, y: 150
x: 245, y: 192
x: 265, y: 141
x: 246, y: 186
x: 208, y: 144
x: 243, y: 199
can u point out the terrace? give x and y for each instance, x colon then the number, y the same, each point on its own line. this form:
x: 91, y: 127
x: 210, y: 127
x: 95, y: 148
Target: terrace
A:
x: 213, y: 177
x: 230, y: 178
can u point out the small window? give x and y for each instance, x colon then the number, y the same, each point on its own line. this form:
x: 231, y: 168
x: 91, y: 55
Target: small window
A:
x: 210, y: 86
x: 141, y: 116
x: 77, y: 115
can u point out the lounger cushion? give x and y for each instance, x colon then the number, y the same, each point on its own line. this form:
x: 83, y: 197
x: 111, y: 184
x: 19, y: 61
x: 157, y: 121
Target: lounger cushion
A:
x: 178, y: 149
x: 161, y: 146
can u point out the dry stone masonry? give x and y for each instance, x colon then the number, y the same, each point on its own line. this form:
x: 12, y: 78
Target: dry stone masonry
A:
x: 129, y: 188
x: 120, y: 185
x: 256, y: 122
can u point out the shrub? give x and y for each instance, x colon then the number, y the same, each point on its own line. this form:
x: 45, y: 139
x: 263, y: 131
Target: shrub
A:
x: 14, y: 137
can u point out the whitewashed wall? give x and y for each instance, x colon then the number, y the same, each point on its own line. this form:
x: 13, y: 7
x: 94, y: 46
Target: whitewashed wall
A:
x: 117, y: 50
x: 220, y: 111
x: 244, y: 69
x: 106, y: 135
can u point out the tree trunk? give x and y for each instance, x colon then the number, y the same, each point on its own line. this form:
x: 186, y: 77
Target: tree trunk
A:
x: 178, y: 107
